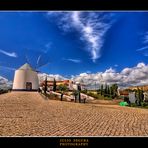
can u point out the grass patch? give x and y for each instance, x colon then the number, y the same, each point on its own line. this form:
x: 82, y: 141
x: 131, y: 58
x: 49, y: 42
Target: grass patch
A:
x: 97, y: 96
x: 144, y: 105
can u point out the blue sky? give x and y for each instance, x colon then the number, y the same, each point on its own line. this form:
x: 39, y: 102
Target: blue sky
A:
x: 72, y: 43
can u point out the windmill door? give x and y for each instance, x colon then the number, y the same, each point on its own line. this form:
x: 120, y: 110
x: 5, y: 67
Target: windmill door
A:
x: 28, y: 86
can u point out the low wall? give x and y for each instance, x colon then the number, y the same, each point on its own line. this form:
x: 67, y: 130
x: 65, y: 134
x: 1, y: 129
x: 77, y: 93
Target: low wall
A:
x: 71, y: 97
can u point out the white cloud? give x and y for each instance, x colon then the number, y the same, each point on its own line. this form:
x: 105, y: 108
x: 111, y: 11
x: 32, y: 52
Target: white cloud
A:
x: 3, y: 80
x: 50, y: 77
x: 110, y: 70
x: 137, y: 75
x: 140, y: 65
x: 73, y: 60
x: 92, y: 31
x: 133, y: 76
x: 126, y: 71
x: 12, y: 54
x: 4, y: 83
x: 91, y: 26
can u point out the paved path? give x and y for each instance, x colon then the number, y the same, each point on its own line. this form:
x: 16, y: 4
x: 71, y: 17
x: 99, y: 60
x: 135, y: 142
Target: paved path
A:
x: 28, y: 114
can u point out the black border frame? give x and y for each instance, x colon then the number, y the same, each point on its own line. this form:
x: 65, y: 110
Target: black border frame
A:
x: 73, y: 5
x: 49, y: 5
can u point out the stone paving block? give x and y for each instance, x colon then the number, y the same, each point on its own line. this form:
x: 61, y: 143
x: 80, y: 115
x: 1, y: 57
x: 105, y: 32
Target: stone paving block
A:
x: 29, y: 114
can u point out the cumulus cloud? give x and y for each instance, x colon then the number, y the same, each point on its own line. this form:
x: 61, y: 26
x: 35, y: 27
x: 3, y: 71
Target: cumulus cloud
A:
x: 137, y: 75
x: 10, y: 54
x: 5, y: 83
x: 3, y: 80
x: 134, y: 76
x: 92, y: 27
x: 50, y: 77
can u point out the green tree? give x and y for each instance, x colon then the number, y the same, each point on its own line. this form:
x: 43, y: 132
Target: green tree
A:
x: 75, y: 93
x: 79, y: 93
x: 140, y: 96
x: 84, y: 91
x: 54, y: 85
x: 62, y: 89
x: 45, y: 85
x: 111, y: 91
x: 98, y: 91
x: 114, y: 89
x: 101, y: 89
x: 105, y: 90
x: 108, y: 90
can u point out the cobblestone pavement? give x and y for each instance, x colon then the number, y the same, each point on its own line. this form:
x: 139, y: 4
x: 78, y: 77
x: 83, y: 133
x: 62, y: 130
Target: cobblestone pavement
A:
x: 28, y: 114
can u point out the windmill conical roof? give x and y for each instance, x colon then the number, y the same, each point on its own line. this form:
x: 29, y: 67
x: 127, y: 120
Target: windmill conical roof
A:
x: 26, y: 66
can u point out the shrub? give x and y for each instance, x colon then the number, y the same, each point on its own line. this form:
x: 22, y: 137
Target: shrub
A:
x: 84, y: 91
x: 133, y: 105
x: 98, y: 96
x: 144, y: 104
x: 2, y: 91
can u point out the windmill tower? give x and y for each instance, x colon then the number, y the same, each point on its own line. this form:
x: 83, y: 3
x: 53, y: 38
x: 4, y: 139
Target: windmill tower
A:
x: 25, y: 79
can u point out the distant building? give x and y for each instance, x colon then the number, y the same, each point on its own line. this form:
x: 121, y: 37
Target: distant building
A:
x: 25, y: 78
x: 144, y: 87
x: 50, y: 83
x: 132, y: 97
x: 123, y: 93
x: 70, y: 84
x: 145, y: 96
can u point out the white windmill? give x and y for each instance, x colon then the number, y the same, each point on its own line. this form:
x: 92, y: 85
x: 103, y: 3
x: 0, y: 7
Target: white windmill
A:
x: 26, y: 78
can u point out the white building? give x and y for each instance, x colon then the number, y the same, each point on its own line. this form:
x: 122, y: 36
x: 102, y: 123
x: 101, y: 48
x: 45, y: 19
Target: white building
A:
x: 75, y: 85
x: 145, y: 96
x: 132, y: 97
x: 25, y: 78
